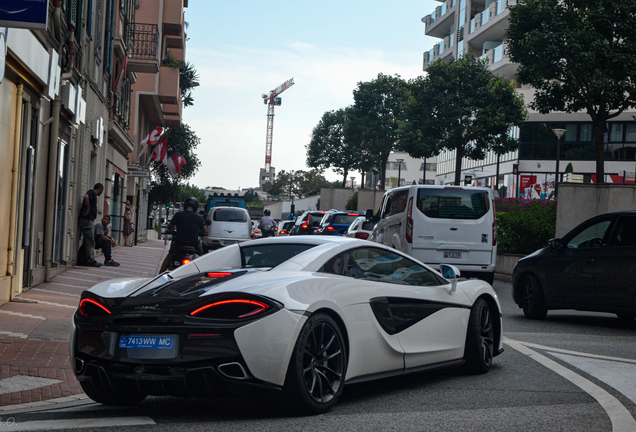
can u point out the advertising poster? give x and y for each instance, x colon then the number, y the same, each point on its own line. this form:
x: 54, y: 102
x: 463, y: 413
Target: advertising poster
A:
x: 539, y: 186
x: 28, y: 14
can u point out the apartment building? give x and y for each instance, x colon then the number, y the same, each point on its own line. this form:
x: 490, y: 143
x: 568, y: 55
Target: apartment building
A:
x: 478, y: 28
x: 69, y: 118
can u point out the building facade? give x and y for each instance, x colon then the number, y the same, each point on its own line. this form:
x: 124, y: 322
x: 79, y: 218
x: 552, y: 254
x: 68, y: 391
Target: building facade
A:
x: 67, y: 121
x: 478, y: 28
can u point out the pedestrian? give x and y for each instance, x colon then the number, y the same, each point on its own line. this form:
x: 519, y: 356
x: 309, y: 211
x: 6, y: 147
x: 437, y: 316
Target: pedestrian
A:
x: 127, y: 227
x: 87, y: 216
x: 104, y: 241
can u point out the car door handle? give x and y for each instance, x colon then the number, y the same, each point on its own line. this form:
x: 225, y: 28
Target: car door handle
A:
x: 394, y: 225
x: 453, y: 229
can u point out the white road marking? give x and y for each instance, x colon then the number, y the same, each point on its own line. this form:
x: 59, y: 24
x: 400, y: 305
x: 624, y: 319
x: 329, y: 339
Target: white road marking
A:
x: 622, y: 420
x: 18, y: 383
x: 621, y: 376
x: 576, y: 353
x: 55, y: 292
x: 22, y: 315
x: 15, y: 335
x: 110, y: 423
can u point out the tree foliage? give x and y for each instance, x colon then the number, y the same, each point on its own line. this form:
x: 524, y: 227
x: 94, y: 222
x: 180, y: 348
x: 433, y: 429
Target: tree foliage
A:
x: 460, y: 106
x: 579, y: 55
x: 165, y: 188
x: 299, y: 183
x: 330, y: 147
x: 378, y: 108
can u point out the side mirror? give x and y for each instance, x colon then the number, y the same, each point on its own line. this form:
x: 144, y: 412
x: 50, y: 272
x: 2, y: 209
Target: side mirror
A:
x: 556, y: 243
x: 451, y: 273
x: 208, y: 222
x: 369, y: 214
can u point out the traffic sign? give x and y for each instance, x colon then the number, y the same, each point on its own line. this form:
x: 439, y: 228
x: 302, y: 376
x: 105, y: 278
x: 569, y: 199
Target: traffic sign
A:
x: 155, y: 207
x: 138, y: 173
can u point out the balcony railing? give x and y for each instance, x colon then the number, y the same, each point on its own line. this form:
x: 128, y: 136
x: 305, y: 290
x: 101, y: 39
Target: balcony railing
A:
x: 495, y: 9
x: 144, y: 41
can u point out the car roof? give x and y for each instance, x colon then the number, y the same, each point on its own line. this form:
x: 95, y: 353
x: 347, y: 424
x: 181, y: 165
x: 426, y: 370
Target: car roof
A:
x: 301, y: 239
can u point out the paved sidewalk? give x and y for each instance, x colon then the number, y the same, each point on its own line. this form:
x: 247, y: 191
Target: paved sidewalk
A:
x: 34, y: 351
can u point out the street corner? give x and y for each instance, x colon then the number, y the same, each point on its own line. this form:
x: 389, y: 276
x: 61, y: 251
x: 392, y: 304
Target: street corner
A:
x: 34, y: 370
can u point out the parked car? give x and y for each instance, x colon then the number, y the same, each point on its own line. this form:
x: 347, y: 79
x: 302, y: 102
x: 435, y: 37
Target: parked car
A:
x: 336, y: 223
x: 228, y: 225
x: 305, y: 315
x: 284, y: 227
x: 592, y: 268
x: 308, y: 223
x: 360, y: 228
x: 442, y: 224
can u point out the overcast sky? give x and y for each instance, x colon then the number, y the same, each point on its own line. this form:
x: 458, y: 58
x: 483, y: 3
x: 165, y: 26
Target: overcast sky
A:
x: 242, y: 49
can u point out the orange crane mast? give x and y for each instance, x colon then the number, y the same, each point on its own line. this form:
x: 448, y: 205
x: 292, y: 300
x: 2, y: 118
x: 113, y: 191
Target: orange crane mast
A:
x: 271, y: 101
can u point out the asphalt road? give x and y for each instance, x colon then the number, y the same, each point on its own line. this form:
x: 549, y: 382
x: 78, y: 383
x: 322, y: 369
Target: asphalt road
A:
x: 571, y: 372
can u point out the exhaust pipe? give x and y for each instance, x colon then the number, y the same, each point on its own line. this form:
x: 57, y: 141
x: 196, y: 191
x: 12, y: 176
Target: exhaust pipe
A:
x: 80, y: 365
x: 233, y: 370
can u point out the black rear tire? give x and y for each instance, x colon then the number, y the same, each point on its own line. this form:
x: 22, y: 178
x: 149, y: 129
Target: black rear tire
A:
x: 480, y: 341
x: 533, y: 300
x: 317, y: 368
x: 99, y: 389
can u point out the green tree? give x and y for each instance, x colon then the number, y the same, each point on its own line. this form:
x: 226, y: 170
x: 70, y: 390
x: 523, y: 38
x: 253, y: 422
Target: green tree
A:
x: 165, y: 188
x: 579, y: 55
x: 299, y: 183
x: 188, y: 80
x: 285, y: 184
x: 188, y: 190
x: 330, y: 147
x: 375, y: 118
x: 460, y: 106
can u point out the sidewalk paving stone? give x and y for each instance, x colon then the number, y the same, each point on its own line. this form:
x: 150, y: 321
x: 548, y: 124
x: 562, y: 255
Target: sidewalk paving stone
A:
x: 45, y: 311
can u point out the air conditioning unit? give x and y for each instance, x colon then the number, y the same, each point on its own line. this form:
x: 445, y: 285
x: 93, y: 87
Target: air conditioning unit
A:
x: 97, y: 131
x: 69, y: 97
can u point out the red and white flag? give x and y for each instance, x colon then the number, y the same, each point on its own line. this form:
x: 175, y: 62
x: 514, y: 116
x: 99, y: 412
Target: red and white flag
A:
x: 153, y: 136
x: 121, y: 78
x: 174, y: 163
x: 161, y: 149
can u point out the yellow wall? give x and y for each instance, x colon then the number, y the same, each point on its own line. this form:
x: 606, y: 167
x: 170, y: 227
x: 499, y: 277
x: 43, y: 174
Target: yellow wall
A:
x: 8, y: 92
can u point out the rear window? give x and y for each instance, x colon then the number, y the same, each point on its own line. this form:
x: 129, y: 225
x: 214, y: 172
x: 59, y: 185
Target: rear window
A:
x: 315, y: 217
x: 270, y: 255
x: 451, y: 203
x: 344, y: 219
x: 229, y: 215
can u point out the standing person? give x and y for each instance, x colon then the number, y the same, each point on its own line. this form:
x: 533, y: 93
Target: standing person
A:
x: 104, y: 241
x: 127, y: 227
x: 189, y: 227
x: 87, y: 216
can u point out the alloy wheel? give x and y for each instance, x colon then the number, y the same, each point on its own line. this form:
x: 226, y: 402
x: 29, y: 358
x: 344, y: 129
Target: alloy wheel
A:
x: 323, y: 362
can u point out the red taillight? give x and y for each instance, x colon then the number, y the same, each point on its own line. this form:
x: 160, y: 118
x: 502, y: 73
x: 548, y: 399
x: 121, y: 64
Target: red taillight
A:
x: 283, y: 232
x: 185, y: 261
x: 275, y: 228
x: 305, y: 226
x: 409, y: 221
x: 494, y: 229
x: 218, y: 274
x: 362, y: 235
x: 236, y: 308
x: 204, y: 335
x: 330, y: 228
x: 353, y: 214
x: 90, y: 307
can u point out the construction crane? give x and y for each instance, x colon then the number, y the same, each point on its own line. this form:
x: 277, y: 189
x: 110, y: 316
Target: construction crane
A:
x: 271, y: 101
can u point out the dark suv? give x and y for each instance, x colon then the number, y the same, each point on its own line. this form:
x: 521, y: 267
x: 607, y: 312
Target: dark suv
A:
x: 336, y: 223
x: 308, y: 223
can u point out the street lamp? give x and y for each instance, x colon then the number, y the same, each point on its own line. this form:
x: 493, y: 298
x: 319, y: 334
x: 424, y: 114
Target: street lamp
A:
x: 399, y: 161
x: 352, y: 183
x: 364, y: 155
x: 559, y: 133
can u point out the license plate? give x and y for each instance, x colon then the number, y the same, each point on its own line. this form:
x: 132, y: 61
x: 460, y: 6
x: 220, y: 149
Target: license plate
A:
x: 452, y: 254
x: 228, y: 242
x: 147, y: 342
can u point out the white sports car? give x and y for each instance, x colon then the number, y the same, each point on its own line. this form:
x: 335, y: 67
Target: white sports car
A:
x: 301, y: 316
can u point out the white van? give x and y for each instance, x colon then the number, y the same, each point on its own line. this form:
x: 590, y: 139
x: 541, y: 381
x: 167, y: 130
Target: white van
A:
x: 442, y: 225
x: 228, y: 225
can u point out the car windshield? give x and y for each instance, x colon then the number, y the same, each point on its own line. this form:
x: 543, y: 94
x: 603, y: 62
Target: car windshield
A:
x: 270, y: 255
x: 229, y: 215
x: 344, y: 219
x: 452, y: 203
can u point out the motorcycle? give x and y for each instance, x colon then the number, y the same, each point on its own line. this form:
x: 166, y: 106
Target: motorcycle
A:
x: 267, y: 230
x: 182, y: 256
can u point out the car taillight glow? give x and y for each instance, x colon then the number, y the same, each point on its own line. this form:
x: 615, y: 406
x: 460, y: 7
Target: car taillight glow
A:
x: 409, y: 221
x: 234, y: 308
x: 204, y: 335
x: 305, y: 226
x: 218, y: 274
x: 90, y: 307
x: 283, y: 232
x: 330, y: 228
x: 185, y: 261
x: 353, y: 214
x: 362, y: 235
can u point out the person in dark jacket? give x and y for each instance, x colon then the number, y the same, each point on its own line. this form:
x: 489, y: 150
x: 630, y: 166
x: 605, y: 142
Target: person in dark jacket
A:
x: 189, y: 227
x: 86, y: 222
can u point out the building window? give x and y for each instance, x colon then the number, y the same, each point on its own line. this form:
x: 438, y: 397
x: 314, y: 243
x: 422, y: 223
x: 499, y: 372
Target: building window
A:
x: 630, y: 133
x: 570, y: 132
x: 616, y: 132
x: 586, y: 132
